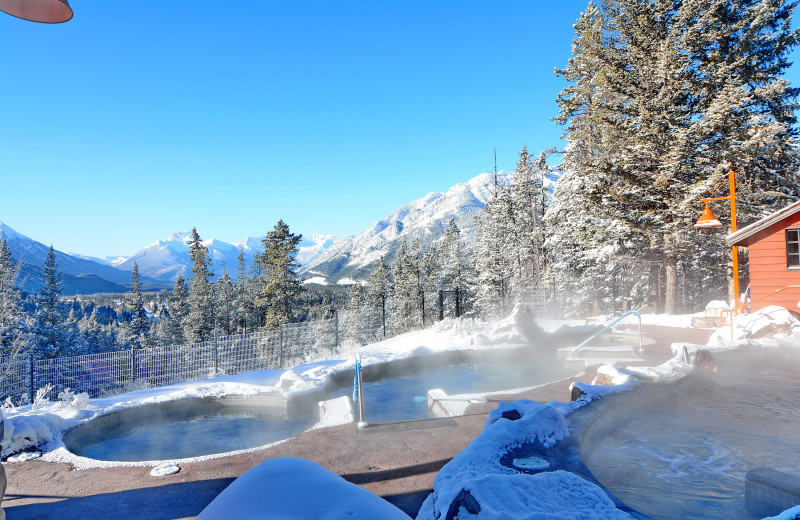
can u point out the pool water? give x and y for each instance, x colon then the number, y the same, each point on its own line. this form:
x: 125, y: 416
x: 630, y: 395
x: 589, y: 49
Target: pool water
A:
x: 406, y: 397
x: 188, y: 435
x: 682, y: 450
x: 196, y: 427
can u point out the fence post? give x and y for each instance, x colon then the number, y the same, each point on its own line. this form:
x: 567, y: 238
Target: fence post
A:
x: 458, y: 303
x: 383, y: 313
x: 30, y: 365
x: 441, y: 305
x: 216, y: 367
x: 280, y: 337
x: 336, y: 327
x: 133, y: 364
x: 422, y: 302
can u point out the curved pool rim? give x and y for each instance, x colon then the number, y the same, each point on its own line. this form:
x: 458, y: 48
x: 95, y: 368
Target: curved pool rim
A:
x: 262, y: 406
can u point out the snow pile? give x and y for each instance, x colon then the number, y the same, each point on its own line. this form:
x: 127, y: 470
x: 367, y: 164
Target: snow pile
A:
x: 765, y: 323
x: 334, y: 412
x: 476, y: 480
x: 790, y: 514
x: 25, y: 456
x: 618, y: 378
x: 24, y: 432
x: 519, y: 328
x: 288, y: 488
x: 162, y: 470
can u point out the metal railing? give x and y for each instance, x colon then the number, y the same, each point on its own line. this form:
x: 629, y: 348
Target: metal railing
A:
x: 110, y: 373
x: 629, y: 313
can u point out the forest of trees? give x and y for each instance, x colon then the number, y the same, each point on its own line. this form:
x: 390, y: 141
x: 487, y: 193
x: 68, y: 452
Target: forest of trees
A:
x: 266, y: 294
x: 661, y: 100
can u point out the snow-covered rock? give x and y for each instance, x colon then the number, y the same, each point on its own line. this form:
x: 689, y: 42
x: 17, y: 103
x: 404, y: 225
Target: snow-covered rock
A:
x: 764, y: 323
x: 479, y: 483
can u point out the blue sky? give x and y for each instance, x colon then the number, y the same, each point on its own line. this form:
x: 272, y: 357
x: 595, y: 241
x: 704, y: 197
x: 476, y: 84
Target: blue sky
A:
x: 137, y: 119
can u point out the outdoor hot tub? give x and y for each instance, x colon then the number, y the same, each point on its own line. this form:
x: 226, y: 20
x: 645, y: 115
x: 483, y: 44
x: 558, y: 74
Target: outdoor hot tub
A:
x: 187, y: 428
x: 683, y: 450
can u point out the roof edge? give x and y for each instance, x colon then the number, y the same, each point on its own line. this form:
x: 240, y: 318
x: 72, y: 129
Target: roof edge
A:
x: 735, y: 239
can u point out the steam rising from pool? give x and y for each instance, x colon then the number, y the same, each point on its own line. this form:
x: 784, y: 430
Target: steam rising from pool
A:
x: 682, y: 450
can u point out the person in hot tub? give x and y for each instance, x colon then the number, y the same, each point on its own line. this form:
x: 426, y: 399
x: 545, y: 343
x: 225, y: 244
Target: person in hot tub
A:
x: 703, y: 360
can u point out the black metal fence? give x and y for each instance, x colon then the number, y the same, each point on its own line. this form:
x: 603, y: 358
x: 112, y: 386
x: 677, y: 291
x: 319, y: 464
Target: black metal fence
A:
x: 110, y: 373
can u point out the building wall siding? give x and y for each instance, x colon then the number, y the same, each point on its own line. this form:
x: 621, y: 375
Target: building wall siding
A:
x: 768, y: 270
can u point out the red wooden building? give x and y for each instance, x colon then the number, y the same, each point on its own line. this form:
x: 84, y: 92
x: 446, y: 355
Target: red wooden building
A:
x: 773, y: 245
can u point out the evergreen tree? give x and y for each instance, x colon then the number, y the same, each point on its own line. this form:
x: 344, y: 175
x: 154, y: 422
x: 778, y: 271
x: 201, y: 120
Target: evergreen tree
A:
x: 279, y: 285
x: 140, y: 323
x: 455, y: 271
x: 354, y: 321
x: 172, y: 323
x: 199, y: 324
x: 226, y: 306
x: 652, y: 110
x: 407, y: 295
x: 379, y: 292
x: 247, y: 317
x: 51, y: 336
x: 12, y: 320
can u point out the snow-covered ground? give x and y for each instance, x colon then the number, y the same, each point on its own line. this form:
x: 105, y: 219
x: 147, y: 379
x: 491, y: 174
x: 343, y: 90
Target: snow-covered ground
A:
x: 40, y: 427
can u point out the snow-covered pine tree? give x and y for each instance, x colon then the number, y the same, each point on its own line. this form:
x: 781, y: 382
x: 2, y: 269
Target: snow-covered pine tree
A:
x: 226, y: 311
x: 491, y: 259
x: 199, y: 325
x: 654, y: 106
x: 247, y: 317
x: 172, y: 322
x: 51, y: 335
x: 12, y: 319
x: 378, y: 301
x: 455, y: 270
x: 407, y: 296
x: 140, y: 323
x: 279, y: 285
x: 353, y: 319
x: 526, y: 227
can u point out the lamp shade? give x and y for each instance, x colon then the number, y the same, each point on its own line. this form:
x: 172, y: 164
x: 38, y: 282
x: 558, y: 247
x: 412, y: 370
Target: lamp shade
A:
x: 707, y: 219
x: 44, y: 11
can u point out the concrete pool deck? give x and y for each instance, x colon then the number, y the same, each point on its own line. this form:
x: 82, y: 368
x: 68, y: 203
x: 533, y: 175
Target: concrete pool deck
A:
x: 397, y: 464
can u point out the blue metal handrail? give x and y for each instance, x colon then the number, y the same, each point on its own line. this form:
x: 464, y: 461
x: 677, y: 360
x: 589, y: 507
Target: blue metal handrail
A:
x: 608, y: 327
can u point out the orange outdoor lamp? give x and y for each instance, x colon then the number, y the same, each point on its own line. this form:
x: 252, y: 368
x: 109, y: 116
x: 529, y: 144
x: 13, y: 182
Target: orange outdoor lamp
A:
x: 707, y: 219
x: 43, y: 11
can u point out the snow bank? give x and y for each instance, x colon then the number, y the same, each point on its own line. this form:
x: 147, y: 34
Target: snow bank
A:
x: 478, y: 482
x: 764, y: 323
x: 790, y: 514
x: 288, y: 488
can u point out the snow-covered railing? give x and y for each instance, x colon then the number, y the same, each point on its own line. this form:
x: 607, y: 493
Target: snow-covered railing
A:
x: 120, y: 371
x: 629, y: 313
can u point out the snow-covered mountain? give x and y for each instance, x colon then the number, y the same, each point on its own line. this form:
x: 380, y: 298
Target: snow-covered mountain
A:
x: 167, y: 258
x: 322, y: 258
x: 80, y: 276
x: 424, y: 219
x: 106, y: 260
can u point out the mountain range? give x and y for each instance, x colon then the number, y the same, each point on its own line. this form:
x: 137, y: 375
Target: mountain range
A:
x: 323, y: 258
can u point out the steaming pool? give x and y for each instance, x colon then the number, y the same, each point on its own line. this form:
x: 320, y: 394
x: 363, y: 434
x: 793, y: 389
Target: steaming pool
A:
x: 405, y: 397
x: 185, y: 428
x: 681, y: 450
x: 195, y: 427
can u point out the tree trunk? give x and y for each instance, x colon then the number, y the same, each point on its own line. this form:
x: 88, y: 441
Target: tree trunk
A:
x: 653, y: 286
x: 671, y: 289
